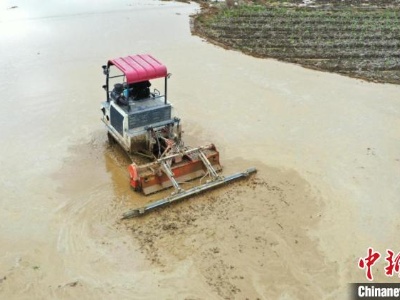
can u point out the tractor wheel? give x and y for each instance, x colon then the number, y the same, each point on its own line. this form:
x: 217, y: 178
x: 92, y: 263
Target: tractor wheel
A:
x: 111, y: 139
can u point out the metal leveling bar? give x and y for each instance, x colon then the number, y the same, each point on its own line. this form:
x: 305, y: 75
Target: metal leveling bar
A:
x: 186, y: 193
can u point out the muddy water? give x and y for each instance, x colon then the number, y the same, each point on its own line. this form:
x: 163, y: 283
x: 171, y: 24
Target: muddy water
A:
x: 326, y: 147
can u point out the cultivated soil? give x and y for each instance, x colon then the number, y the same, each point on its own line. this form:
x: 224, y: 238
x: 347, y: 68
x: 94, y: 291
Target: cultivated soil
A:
x: 356, y: 38
x: 232, y: 236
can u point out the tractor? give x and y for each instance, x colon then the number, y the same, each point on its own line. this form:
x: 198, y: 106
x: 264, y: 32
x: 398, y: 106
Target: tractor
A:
x: 142, y: 121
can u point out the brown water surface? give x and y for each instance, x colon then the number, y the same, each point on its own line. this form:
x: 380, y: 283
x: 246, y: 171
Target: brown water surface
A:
x: 326, y: 146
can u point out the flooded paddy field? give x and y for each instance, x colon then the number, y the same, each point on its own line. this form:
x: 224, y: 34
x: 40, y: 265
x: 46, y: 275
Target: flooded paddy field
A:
x: 325, y: 146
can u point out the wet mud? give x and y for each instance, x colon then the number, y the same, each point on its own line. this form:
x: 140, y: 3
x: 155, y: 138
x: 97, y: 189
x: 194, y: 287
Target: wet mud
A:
x: 325, y: 146
x: 233, y: 235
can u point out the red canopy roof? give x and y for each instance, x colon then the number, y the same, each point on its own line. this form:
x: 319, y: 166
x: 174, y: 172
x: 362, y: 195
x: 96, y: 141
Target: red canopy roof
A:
x: 139, y: 67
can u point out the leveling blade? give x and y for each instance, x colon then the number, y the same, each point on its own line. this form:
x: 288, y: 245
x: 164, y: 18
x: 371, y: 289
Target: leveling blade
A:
x: 187, y: 193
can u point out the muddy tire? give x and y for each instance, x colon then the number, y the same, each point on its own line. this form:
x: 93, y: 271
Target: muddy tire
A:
x: 111, y: 139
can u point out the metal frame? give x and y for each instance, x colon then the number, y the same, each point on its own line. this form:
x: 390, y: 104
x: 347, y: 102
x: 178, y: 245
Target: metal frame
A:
x: 182, y: 194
